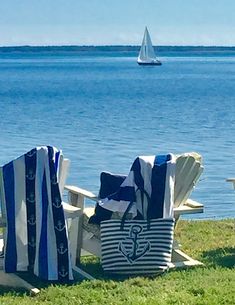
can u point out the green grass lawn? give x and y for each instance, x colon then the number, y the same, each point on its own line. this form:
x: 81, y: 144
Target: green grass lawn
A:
x: 212, y: 242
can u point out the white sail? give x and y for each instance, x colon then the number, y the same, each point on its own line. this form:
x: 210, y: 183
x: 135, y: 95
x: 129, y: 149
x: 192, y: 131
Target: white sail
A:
x: 147, y: 54
x: 147, y: 51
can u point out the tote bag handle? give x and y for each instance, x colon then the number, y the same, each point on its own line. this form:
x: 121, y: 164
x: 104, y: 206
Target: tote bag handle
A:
x: 130, y: 206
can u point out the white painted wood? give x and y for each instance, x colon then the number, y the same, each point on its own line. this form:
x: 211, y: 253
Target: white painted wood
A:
x: 190, y: 207
x: 91, y: 243
x: 231, y: 180
x: 71, y: 211
x: 73, y: 227
x: 79, y: 191
x: 83, y: 273
x: 188, y: 171
x: 77, y: 200
x: 14, y: 281
x: 181, y: 260
x: 89, y: 211
x: 63, y: 173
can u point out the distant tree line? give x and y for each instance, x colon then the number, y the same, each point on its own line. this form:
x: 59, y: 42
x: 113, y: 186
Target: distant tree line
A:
x: 115, y: 48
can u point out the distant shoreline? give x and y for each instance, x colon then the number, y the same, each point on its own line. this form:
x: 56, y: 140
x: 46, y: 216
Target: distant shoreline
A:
x: 115, y: 48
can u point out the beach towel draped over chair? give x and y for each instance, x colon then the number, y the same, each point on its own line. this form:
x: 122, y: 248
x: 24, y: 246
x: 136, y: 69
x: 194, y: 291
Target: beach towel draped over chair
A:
x: 149, y: 184
x: 36, y: 234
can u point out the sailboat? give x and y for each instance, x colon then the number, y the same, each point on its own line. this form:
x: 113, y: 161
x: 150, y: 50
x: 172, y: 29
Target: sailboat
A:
x: 147, y: 55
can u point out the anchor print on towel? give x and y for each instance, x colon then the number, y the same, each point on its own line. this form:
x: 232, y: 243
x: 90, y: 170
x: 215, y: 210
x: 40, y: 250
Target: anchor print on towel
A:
x: 31, y: 153
x: 32, y: 220
x: 30, y: 175
x: 60, y: 227
x: 32, y: 242
x: 57, y: 202
x: 63, y: 273
x: 62, y: 249
x: 137, y: 249
x: 31, y: 198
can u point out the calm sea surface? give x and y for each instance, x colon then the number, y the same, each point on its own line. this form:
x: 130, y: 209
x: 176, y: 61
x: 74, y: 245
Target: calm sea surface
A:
x: 103, y: 110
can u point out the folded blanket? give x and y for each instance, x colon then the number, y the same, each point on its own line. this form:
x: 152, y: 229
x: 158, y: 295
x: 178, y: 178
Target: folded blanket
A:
x: 36, y: 229
x: 149, y: 185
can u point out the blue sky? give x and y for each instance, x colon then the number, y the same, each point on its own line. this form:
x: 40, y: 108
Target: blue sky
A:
x: 102, y: 22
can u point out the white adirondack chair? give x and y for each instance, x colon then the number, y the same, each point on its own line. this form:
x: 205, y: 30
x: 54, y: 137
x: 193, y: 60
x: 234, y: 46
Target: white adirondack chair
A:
x: 72, y: 216
x: 188, y: 170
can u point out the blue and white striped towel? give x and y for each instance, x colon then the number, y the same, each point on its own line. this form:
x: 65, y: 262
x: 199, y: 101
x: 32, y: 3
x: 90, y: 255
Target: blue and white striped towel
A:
x: 150, y: 185
x: 36, y: 235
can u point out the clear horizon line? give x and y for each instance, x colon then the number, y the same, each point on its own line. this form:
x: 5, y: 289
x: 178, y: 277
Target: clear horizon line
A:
x: 111, y: 45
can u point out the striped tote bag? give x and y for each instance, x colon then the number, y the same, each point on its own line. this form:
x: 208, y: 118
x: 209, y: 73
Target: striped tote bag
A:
x: 135, y: 247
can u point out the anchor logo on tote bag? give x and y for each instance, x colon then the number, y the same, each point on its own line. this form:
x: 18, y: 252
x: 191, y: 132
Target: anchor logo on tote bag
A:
x: 138, y: 247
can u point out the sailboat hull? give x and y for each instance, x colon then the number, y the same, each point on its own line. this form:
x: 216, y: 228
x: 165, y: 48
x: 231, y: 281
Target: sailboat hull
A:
x: 154, y: 63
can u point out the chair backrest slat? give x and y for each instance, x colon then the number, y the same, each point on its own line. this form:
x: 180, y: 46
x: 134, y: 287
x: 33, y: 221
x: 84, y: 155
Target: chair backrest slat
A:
x: 63, y: 173
x: 188, y: 171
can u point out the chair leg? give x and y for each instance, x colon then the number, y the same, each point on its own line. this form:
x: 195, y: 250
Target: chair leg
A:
x: 73, y: 238
x: 181, y: 260
x: 79, y: 240
x: 77, y: 200
x: 83, y: 273
x: 14, y: 281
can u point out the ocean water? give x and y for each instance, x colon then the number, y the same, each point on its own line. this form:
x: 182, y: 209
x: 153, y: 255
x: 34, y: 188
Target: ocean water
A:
x: 103, y: 110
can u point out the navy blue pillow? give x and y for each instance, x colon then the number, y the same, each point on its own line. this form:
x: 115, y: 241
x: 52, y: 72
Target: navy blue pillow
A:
x: 109, y: 184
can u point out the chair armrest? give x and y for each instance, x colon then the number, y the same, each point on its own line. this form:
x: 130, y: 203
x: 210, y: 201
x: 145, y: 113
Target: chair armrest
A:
x: 231, y: 180
x: 79, y: 191
x: 190, y: 207
x: 71, y: 211
x: 193, y: 204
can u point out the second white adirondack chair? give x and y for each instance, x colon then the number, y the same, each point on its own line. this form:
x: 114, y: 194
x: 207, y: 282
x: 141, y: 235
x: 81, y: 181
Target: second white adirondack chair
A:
x: 188, y: 170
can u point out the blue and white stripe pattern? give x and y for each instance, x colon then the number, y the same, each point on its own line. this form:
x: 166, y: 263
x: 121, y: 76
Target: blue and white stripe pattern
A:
x: 36, y: 235
x: 150, y: 185
x: 139, y: 247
